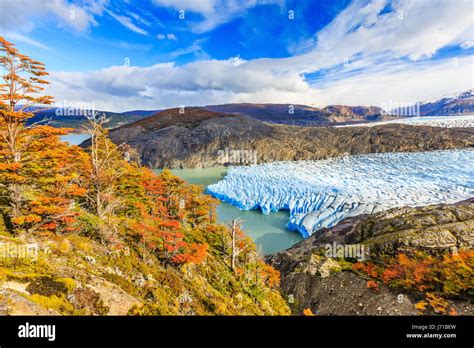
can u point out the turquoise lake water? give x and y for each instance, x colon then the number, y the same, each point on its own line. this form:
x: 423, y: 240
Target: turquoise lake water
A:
x: 268, y: 231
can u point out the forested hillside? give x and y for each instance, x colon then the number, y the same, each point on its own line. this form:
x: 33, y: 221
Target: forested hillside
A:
x: 104, y: 235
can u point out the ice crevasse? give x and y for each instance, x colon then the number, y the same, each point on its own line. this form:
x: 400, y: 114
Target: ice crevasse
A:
x: 321, y: 193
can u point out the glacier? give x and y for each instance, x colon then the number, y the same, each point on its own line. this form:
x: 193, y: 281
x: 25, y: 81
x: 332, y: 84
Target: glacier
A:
x: 321, y: 193
x: 464, y: 121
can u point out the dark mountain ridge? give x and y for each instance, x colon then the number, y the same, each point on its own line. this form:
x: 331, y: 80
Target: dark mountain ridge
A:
x: 289, y: 114
x: 196, y: 137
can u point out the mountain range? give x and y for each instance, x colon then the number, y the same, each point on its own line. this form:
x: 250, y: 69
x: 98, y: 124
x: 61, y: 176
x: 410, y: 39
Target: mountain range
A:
x: 290, y: 114
x: 461, y: 104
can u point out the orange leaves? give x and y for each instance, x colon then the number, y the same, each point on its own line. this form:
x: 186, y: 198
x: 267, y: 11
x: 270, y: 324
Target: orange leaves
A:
x: 159, y: 230
x: 169, y: 242
x: 439, y: 304
x: 152, y: 183
x: 12, y: 167
x: 26, y: 219
x: 308, y: 312
x: 48, y: 131
x: 417, y: 271
x: 371, y: 284
x: 421, y: 305
x: 457, y: 272
x: 395, y: 272
x: 453, y: 312
x: 22, y: 82
x: 271, y: 275
x: 50, y: 226
x: 193, y: 254
x: 162, y: 234
x: 76, y: 191
x: 48, y: 172
x: 450, y: 273
x: 367, y: 268
x: 171, y: 224
x: 447, y: 275
x: 467, y: 256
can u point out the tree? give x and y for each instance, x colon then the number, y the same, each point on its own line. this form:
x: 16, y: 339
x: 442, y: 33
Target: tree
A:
x: 53, y: 169
x: 159, y: 229
x: 234, y: 251
x: 38, y: 172
x: 107, y: 167
x: 20, y: 91
x: 235, y: 243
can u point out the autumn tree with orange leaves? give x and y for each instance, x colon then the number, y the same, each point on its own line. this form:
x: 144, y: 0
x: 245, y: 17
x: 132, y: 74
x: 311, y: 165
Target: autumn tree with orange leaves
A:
x: 39, y: 174
x: 22, y: 81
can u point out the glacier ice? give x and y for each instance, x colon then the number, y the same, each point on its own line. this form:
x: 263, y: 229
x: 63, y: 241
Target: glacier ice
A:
x: 434, y: 121
x: 321, y: 193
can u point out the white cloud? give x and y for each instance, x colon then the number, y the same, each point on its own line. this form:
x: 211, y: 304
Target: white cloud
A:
x: 27, y: 14
x: 169, y: 36
x: 22, y: 38
x: 199, y: 6
x: 122, y: 88
x: 214, y: 12
x: 361, y: 33
x: 401, y: 83
x: 18, y: 14
x: 127, y: 22
x: 194, y: 48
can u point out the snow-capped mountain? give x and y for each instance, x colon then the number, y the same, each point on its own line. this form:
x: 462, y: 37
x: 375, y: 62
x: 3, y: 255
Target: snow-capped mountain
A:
x: 461, y: 104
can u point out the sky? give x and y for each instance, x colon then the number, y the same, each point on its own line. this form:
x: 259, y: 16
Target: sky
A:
x: 119, y: 55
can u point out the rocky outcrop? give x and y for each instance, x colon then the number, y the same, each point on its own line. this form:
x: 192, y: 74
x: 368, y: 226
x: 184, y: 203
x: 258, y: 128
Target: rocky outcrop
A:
x: 434, y: 228
x: 309, y: 279
x: 197, y: 138
x: 344, y: 113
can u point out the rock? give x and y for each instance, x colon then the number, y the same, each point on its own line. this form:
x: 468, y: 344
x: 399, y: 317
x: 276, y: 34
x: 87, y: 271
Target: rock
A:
x: 13, y: 303
x: 88, y: 300
x: 328, y: 267
x: 16, y: 286
x: 113, y: 297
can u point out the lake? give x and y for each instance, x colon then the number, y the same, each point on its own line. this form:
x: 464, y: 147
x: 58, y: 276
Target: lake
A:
x: 75, y: 138
x: 268, y: 231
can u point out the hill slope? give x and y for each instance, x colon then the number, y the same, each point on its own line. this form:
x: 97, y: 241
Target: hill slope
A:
x: 408, y: 259
x: 77, y: 119
x: 116, y: 239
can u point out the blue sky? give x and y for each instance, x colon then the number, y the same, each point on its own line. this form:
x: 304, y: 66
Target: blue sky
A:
x: 120, y: 55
